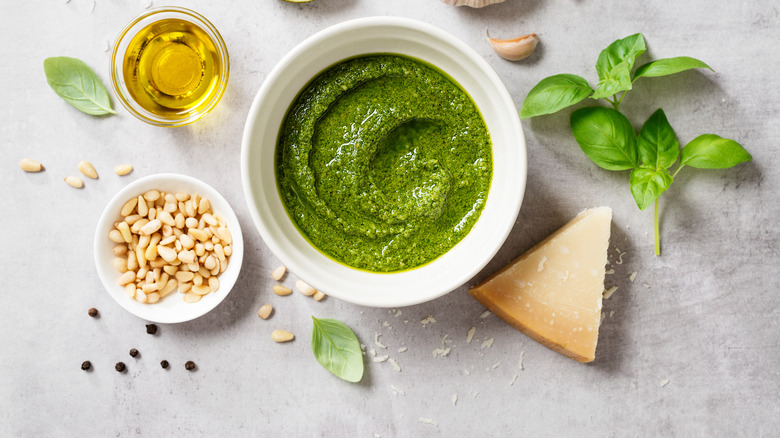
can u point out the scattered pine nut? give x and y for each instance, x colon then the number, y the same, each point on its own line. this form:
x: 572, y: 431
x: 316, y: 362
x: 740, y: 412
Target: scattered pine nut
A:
x: 281, y: 290
x: 88, y: 169
x: 265, y: 311
x: 30, y: 165
x: 278, y: 273
x: 74, y: 182
x: 304, y: 288
x: 123, y: 169
x: 318, y: 296
x: 282, y: 336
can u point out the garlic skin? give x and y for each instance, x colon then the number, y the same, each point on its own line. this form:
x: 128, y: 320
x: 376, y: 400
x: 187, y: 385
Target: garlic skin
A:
x: 514, y: 49
x: 472, y: 3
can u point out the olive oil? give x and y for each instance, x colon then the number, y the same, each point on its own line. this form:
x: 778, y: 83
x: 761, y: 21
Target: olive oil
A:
x: 172, y: 67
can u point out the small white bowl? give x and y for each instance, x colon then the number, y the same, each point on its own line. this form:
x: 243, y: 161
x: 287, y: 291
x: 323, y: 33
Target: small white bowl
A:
x: 418, y: 40
x: 172, y: 308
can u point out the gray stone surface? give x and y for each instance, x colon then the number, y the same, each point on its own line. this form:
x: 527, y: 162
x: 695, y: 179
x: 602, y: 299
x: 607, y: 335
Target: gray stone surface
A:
x: 703, y: 316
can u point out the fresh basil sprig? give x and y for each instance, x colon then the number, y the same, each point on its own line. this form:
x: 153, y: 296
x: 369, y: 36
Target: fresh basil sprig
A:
x: 606, y: 135
x: 77, y: 84
x: 336, y: 348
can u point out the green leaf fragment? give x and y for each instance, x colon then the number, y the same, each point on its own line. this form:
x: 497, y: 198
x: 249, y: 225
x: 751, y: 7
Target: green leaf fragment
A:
x: 647, y: 184
x: 606, y: 136
x: 615, y: 64
x: 710, y: 151
x: 668, y: 66
x: 77, y: 84
x: 657, y: 144
x: 337, y: 349
x: 553, y: 94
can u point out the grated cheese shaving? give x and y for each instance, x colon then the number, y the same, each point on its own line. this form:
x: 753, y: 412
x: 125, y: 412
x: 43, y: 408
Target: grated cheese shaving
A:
x: 394, y: 364
x: 428, y: 421
x: 488, y: 343
x: 485, y: 314
x: 609, y: 272
x: 470, y: 335
x: 381, y: 358
x: 376, y: 341
x: 441, y: 352
x: 608, y: 293
x: 632, y: 277
x: 514, y: 379
x: 397, y: 390
x: 664, y: 382
x: 427, y: 320
x: 496, y: 365
x: 454, y: 399
x: 402, y: 349
x: 522, y: 356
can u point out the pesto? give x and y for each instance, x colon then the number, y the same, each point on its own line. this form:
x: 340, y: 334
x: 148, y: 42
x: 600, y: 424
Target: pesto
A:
x: 383, y: 163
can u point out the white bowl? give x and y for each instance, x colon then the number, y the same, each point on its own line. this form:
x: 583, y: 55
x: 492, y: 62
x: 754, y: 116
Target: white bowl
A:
x: 421, y: 41
x: 172, y: 308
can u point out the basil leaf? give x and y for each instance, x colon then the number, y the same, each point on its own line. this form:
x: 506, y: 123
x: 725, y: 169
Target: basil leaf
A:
x: 336, y: 348
x: 657, y: 145
x: 553, y: 94
x: 710, y: 151
x: 647, y: 184
x: 606, y: 136
x: 615, y: 64
x: 78, y: 85
x: 668, y: 66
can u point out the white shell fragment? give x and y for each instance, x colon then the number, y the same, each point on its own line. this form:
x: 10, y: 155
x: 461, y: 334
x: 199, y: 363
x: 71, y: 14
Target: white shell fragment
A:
x: 514, y: 49
x: 472, y: 3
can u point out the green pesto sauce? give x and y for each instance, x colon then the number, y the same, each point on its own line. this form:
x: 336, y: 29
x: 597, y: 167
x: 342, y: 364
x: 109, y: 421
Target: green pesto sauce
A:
x: 384, y: 163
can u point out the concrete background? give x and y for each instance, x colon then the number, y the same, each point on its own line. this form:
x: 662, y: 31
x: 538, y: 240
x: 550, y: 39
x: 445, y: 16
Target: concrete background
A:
x: 703, y: 316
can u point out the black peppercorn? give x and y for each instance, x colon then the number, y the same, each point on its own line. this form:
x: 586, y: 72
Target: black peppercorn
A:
x: 120, y: 366
x: 93, y: 312
x: 133, y: 352
x: 164, y: 364
x: 151, y: 329
x: 189, y: 366
x: 86, y: 365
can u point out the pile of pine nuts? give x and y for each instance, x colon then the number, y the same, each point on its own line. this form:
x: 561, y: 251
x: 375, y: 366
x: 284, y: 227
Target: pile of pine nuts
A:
x: 168, y: 242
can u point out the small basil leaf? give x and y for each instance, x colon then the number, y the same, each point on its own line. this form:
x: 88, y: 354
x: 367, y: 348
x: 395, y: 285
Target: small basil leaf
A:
x: 668, y: 66
x: 647, y: 184
x: 710, y: 151
x: 615, y: 64
x: 77, y: 84
x: 657, y: 144
x: 606, y: 136
x: 553, y: 94
x: 336, y: 348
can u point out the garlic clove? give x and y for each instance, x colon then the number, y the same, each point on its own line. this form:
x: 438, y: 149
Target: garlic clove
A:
x: 472, y: 3
x: 514, y: 49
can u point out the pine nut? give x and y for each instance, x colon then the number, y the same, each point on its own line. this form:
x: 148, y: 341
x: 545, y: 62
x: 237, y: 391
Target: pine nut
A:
x: 197, y: 280
x: 213, y: 283
x: 209, y: 246
x: 152, y: 195
x: 277, y: 273
x: 125, y: 230
x: 133, y: 218
x: 205, y: 273
x: 152, y: 213
x: 197, y: 234
x: 179, y: 220
x: 143, y: 209
x: 116, y: 236
x: 219, y: 252
x: 304, y: 288
x: 282, y: 336
x: 265, y: 311
x: 184, y: 287
x: 119, y: 250
x: 191, y: 222
x: 184, y: 276
x: 181, y: 197
x: 189, y: 210
x: 153, y: 297
x: 129, y: 207
x: 225, y: 235
x: 228, y: 250
x: 74, y: 182
x: 141, y: 273
x: 191, y: 298
x: 318, y: 296
x: 201, y: 289
x: 166, y: 218
x: 187, y: 256
x: 150, y: 227
x: 140, y: 296
x: 171, y: 270
x: 123, y: 169
x: 127, y: 277
x: 210, y: 262
x: 281, y: 290
x: 130, y: 290
x: 132, y: 262
x: 186, y: 241
x: 168, y: 254
x: 136, y: 227
x: 120, y: 264
x: 87, y: 169
x: 158, y: 263
x: 217, y: 269
x: 30, y: 165
x: 169, y: 287
x: 204, y: 206
x: 170, y: 207
x: 209, y: 219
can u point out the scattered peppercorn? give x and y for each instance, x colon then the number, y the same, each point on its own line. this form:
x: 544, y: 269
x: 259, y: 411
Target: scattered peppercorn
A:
x: 86, y: 365
x: 93, y: 312
x: 133, y: 352
x: 151, y: 328
x: 189, y: 366
x: 120, y: 366
x: 164, y: 364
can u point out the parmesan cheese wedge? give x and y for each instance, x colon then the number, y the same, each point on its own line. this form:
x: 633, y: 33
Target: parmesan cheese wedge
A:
x: 553, y: 292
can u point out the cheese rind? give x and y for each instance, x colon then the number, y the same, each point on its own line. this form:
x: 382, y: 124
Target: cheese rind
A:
x: 553, y: 292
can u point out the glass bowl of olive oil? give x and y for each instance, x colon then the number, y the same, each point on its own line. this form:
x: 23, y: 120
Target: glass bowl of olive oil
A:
x: 169, y: 66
